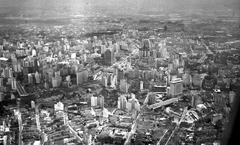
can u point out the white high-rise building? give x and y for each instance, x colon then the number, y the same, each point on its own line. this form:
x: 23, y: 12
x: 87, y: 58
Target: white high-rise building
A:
x: 122, y: 102
x: 37, y: 77
x: 30, y: 79
x: 176, y: 87
x: 93, y: 101
x: 59, y: 108
x: 34, y: 52
x: 133, y: 104
x: 32, y: 104
x: 113, y: 81
x: 141, y: 85
x: 14, y: 84
x: 97, y: 101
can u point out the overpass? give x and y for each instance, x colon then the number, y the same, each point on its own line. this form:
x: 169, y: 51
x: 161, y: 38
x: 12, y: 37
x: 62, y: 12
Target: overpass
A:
x: 20, y: 89
x: 163, y: 103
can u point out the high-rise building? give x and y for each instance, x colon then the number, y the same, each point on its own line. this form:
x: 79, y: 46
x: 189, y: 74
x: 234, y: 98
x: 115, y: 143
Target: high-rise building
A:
x: 33, y: 104
x: 180, y: 70
x: 93, y: 101
x: 151, y: 99
x: 108, y: 57
x: 209, y: 82
x: 113, y: 81
x: 30, y: 79
x: 176, y: 62
x: 12, y: 96
x: 124, y: 86
x: 15, y: 67
x: 133, y: 104
x: 34, y: 52
x: 141, y: 85
x: 97, y: 101
x: 50, y: 75
x: 197, y: 80
x: 10, y: 73
x: 37, y: 77
x: 14, y: 84
x: 160, y: 88
x: 82, y: 77
x: 103, y: 49
x: 105, y: 80
x: 186, y: 79
x: 7, y: 72
x: 145, y: 50
x: 19, y: 67
x: 218, y: 99
x: 1, y: 97
x: 162, y: 49
x: 68, y: 79
x: 1, y: 82
x: 170, y: 67
x: 57, y: 74
x: 54, y: 82
x: 59, y: 80
x: 100, y: 101
x: 58, y: 108
x: 120, y: 75
x: 232, y: 96
x: 176, y: 87
x: 129, y: 106
x: 109, y: 79
x: 46, y: 85
x: 122, y: 102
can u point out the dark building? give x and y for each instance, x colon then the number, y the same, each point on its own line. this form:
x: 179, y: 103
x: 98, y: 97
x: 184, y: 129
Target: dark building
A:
x: 108, y: 57
x: 209, y: 83
x: 145, y: 50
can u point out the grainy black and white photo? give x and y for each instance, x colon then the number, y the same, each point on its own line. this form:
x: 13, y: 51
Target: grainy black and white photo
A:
x: 119, y: 72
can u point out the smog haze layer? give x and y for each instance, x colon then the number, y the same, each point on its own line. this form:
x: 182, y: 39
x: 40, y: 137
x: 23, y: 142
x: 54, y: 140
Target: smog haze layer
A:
x: 58, y: 8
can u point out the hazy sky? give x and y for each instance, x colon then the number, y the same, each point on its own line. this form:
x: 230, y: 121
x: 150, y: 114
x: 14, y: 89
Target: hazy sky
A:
x: 136, y: 5
x: 111, y: 2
